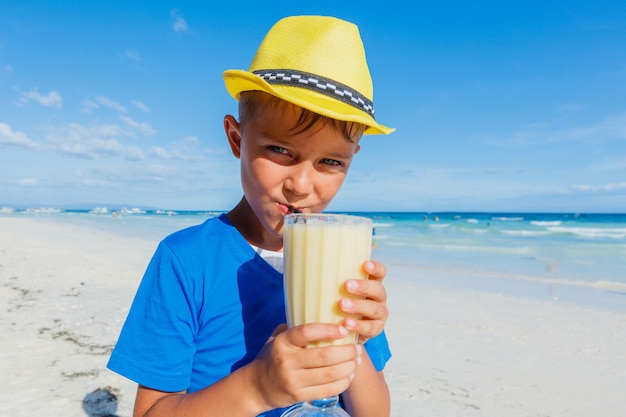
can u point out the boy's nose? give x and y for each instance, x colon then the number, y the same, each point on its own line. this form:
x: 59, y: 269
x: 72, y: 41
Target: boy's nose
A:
x: 300, y: 180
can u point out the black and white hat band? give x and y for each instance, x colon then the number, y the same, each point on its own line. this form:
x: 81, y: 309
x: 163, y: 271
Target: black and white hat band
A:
x: 320, y: 84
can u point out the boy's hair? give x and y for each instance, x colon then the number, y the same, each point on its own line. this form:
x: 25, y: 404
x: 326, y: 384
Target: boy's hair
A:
x: 252, y: 104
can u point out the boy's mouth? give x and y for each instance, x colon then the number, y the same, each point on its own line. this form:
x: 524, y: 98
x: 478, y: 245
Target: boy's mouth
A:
x: 288, y: 209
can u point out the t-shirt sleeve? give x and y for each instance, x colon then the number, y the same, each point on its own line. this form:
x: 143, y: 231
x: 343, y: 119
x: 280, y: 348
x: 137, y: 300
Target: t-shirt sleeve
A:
x: 378, y: 350
x: 155, y: 347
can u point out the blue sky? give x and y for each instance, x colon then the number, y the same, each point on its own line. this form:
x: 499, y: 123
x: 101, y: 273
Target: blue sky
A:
x: 498, y: 106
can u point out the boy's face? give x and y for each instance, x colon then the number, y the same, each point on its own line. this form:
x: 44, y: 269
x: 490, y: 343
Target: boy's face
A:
x: 283, y: 169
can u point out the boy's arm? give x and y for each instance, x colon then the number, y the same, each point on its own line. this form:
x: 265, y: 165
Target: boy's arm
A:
x: 368, y: 395
x: 235, y: 395
x: 285, y: 372
x: 228, y: 396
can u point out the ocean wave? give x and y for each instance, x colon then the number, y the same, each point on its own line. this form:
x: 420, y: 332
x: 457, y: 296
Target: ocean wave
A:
x: 166, y: 212
x: 132, y: 211
x: 524, y: 232
x: 546, y: 223
x: 43, y: 210
x: 6, y: 210
x: 439, y: 225
x: 473, y: 221
x: 383, y: 224
x: 609, y: 286
x: 476, y: 248
x: 598, y: 284
x: 99, y: 210
x: 508, y: 219
x: 592, y: 232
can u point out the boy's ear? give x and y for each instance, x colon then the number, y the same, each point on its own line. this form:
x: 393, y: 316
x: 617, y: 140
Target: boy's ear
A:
x: 233, y: 133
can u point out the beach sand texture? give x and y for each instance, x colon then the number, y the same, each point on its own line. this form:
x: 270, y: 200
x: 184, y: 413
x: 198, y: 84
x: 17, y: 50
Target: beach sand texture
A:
x: 65, y: 291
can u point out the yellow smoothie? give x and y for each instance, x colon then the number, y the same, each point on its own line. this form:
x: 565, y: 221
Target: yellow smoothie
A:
x: 321, y: 252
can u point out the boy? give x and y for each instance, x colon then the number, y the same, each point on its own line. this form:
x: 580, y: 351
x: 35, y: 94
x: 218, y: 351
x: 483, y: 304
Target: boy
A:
x: 205, y: 335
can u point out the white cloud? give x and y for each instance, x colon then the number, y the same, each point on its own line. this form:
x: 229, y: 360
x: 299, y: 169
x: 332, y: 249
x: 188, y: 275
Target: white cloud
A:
x: 28, y: 182
x: 9, y: 137
x: 162, y: 153
x: 612, y: 127
x: 179, y: 24
x: 52, y: 99
x: 22, y: 182
x: 9, y: 68
x: 187, y: 149
x: 133, y: 54
x: 111, y: 104
x: 159, y: 152
x: 144, y: 128
x: 191, y: 141
x: 615, y: 162
x: 614, y: 186
x: 87, y: 106
x: 141, y: 106
x: 92, y: 142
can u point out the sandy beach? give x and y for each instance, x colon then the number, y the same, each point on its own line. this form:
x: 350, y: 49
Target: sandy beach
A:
x: 65, y: 291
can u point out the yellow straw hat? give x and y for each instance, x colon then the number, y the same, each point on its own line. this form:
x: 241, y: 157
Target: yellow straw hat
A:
x: 315, y: 62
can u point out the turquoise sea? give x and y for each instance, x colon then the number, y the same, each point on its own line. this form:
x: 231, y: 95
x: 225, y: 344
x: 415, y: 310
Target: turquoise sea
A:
x: 559, y: 256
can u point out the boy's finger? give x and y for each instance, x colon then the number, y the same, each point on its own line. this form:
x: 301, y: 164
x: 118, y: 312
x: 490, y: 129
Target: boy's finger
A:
x: 303, y: 335
x: 372, y: 289
x: 375, y: 269
x: 279, y: 329
x: 331, y: 356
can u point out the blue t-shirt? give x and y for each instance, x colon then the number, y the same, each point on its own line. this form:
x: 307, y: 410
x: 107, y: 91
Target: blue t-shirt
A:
x: 206, y: 306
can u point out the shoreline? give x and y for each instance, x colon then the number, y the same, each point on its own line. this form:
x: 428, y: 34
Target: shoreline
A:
x: 611, y: 296
x: 601, y: 293
x: 456, y: 351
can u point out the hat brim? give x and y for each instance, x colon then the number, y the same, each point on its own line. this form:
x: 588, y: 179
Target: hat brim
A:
x: 237, y: 81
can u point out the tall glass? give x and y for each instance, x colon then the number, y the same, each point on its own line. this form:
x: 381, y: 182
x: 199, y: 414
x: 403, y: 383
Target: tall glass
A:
x: 321, y: 252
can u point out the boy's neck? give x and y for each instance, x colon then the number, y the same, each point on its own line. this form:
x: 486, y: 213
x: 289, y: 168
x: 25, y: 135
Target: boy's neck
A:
x: 247, y: 223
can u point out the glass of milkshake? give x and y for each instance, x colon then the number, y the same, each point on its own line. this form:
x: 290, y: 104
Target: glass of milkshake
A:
x: 321, y: 252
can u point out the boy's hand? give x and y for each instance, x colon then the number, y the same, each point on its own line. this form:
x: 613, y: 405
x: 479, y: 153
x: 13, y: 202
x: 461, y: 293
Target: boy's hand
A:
x: 372, y: 308
x: 288, y: 372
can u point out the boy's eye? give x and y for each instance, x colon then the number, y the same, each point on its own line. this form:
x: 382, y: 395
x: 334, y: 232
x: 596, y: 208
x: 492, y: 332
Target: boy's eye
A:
x: 333, y: 162
x: 278, y: 149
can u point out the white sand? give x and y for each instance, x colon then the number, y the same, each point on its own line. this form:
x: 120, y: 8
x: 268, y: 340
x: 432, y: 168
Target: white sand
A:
x: 65, y: 291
